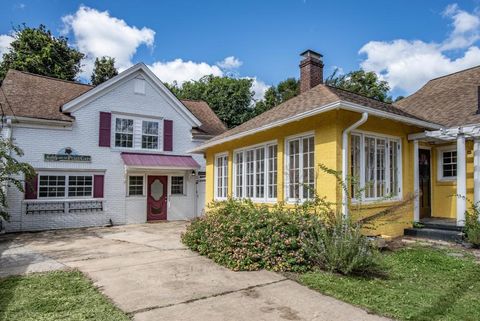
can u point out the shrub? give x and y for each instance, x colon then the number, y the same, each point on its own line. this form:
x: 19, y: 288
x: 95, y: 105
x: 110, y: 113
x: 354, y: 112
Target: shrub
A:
x: 243, y: 236
x: 342, y: 248
x: 472, y: 226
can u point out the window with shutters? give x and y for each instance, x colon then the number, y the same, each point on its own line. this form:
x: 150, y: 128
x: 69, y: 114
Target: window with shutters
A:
x: 65, y: 186
x: 138, y: 133
x: 375, y: 166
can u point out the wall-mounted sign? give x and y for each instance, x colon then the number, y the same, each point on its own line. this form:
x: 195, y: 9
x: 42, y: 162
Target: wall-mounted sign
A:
x: 67, y: 154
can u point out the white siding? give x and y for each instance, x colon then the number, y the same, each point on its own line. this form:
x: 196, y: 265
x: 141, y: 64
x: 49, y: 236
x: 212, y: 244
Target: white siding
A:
x: 83, y: 138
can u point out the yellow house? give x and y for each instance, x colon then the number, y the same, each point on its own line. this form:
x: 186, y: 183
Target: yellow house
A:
x: 395, y: 151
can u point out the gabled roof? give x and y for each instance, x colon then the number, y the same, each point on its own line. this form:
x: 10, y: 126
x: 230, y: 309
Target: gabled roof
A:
x: 451, y: 100
x: 319, y: 99
x: 29, y: 95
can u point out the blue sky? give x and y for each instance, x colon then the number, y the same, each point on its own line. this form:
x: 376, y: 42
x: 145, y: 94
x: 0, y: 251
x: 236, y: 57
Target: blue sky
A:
x: 406, y: 42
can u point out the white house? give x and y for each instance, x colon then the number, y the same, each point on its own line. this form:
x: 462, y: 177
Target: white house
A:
x: 111, y: 154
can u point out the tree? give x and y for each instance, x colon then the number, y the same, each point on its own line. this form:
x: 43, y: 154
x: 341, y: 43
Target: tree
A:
x: 276, y: 95
x: 361, y: 82
x: 10, y: 171
x: 104, y: 70
x: 37, y: 51
x: 230, y: 98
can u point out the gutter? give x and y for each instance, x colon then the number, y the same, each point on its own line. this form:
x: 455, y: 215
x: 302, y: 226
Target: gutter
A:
x: 318, y: 110
x: 345, y: 133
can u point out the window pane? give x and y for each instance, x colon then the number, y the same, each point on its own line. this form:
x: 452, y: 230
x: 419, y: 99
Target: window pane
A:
x: 449, y: 164
x: 135, y: 186
x: 79, y: 186
x: 150, y: 134
x: 369, y: 167
x: 355, y: 165
x: 394, y: 179
x: 293, y: 168
x: 239, y: 174
x: 177, y: 185
x: 308, y: 168
x: 381, y: 166
x: 51, y: 186
x: 123, y: 132
x: 250, y: 173
x: 272, y: 171
x: 259, y: 172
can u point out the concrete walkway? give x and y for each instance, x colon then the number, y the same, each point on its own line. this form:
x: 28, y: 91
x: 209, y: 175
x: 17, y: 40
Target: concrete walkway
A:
x: 149, y: 274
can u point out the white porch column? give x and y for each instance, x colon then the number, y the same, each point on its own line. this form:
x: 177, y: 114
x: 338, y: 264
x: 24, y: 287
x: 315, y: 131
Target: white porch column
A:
x: 461, y: 180
x: 416, y: 183
x: 476, y: 171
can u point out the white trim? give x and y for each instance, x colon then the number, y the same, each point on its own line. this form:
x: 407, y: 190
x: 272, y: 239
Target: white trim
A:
x: 144, y: 193
x: 215, y: 176
x: 461, y: 180
x: 131, y: 73
x: 440, y: 151
x: 476, y: 171
x: 416, y: 183
x: 265, y: 146
x: 184, y: 189
x: 318, y: 110
x: 299, y: 137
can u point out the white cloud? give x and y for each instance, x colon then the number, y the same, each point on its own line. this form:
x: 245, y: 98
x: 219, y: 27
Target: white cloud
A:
x: 259, y: 88
x: 181, y: 71
x: 5, y: 41
x: 408, y: 64
x: 230, y: 63
x: 98, y: 34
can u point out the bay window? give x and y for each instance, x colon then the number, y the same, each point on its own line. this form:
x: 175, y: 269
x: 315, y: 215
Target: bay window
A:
x: 221, y: 176
x: 300, y: 169
x: 255, y: 173
x: 375, y: 165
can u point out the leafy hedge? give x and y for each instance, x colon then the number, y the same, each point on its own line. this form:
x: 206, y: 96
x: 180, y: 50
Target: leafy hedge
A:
x: 243, y: 236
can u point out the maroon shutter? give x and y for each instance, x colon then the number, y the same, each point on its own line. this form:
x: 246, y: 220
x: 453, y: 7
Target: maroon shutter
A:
x: 105, y: 127
x: 168, y: 135
x: 31, y: 188
x: 98, y: 181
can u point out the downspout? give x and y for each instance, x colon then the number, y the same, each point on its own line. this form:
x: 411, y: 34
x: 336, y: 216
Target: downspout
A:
x: 345, y: 133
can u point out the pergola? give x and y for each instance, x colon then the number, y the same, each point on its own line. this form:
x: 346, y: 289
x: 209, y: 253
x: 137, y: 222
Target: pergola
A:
x: 458, y: 135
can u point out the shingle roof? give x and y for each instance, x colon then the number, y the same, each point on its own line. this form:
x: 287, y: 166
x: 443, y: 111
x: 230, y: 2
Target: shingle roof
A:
x: 318, y: 96
x: 211, y: 124
x: 29, y: 95
x: 450, y: 100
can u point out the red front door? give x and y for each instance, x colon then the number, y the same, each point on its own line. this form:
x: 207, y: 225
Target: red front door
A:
x: 157, y: 198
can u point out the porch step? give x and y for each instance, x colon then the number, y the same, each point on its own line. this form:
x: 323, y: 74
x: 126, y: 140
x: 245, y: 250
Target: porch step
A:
x: 435, y: 234
x: 442, y: 226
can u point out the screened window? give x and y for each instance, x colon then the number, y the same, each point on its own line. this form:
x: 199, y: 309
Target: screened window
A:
x: 149, y: 134
x: 449, y: 164
x: 80, y: 186
x: 300, y: 168
x: 375, y: 166
x: 51, y: 186
x: 221, y: 176
x: 123, y: 132
x: 177, y: 185
x: 256, y: 173
x: 135, y: 185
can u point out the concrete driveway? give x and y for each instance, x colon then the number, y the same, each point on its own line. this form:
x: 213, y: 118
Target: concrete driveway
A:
x: 149, y: 274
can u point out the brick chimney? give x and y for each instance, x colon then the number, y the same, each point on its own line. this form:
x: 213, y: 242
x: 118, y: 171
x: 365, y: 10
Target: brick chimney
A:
x: 311, y: 70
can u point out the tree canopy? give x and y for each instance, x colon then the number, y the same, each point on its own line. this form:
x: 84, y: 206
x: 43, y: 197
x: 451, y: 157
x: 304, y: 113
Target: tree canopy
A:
x: 276, y: 95
x: 361, y: 82
x: 37, y: 51
x: 104, y: 70
x: 230, y: 98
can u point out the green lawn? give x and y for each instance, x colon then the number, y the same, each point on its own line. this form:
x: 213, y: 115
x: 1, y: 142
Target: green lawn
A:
x: 422, y: 284
x: 64, y: 295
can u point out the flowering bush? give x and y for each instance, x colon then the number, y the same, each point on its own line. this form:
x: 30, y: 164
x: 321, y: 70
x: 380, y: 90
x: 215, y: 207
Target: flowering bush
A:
x: 243, y: 236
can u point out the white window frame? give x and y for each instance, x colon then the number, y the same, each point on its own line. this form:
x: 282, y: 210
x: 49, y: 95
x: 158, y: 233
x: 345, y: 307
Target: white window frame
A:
x: 299, y: 137
x: 142, y: 121
x: 114, y: 125
x: 183, y: 193
x: 388, y: 139
x: 137, y: 131
x: 143, y: 185
x: 67, y: 183
x: 224, y: 175
x: 265, y: 146
x: 440, y: 152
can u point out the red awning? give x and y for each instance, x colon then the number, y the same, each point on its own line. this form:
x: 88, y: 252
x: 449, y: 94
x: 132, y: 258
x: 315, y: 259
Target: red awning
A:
x: 160, y: 161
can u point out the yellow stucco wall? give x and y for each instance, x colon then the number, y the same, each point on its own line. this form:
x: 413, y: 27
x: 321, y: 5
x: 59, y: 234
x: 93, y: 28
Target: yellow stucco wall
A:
x: 444, y: 200
x: 328, y: 129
